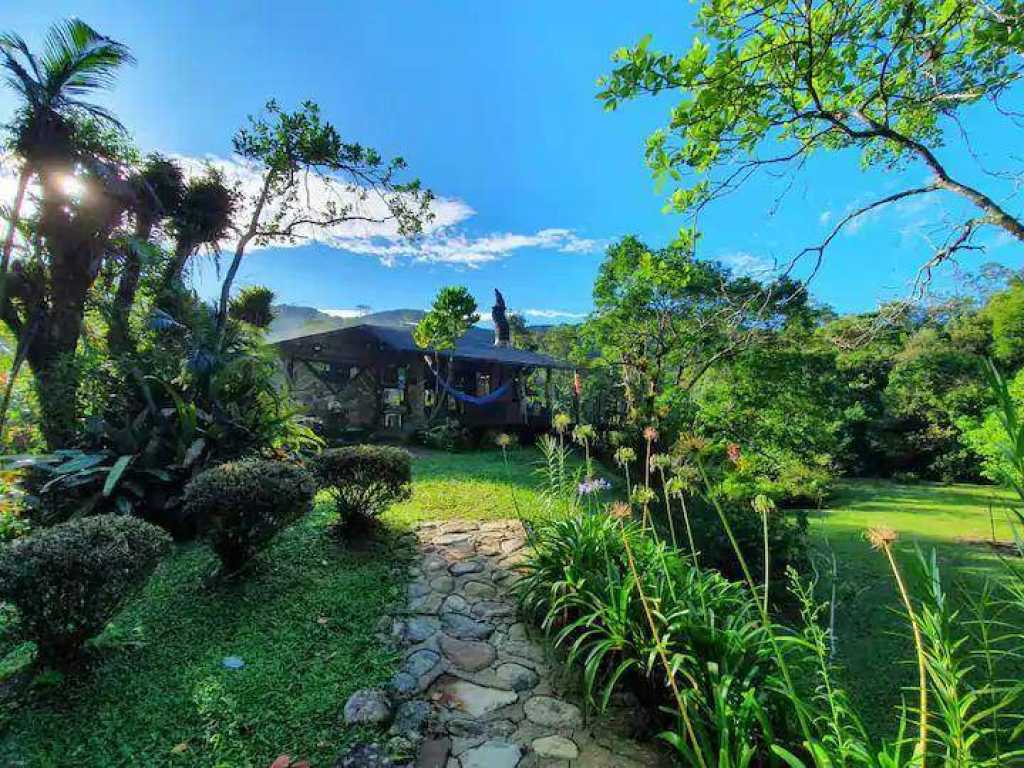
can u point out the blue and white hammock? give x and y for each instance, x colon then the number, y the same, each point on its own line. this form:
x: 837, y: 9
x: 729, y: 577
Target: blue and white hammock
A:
x: 487, y: 399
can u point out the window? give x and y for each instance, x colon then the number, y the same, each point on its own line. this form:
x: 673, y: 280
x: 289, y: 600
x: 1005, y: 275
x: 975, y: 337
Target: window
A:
x: 393, y: 397
x: 483, y: 384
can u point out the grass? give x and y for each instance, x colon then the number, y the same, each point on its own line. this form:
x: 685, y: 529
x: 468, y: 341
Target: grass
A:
x: 475, y: 486
x: 874, y: 644
x: 155, y: 691
x: 875, y: 648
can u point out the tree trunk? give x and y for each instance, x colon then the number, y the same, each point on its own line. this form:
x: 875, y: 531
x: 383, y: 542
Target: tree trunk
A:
x: 12, y: 227
x: 12, y: 377
x: 76, y: 255
x: 183, y: 249
x: 119, y: 338
x: 225, y: 289
x: 236, y: 261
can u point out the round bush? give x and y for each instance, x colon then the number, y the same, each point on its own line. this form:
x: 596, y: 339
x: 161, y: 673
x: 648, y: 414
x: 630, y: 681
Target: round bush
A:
x: 68, y: 581
x: 364, y: 480
x: 240, y: 506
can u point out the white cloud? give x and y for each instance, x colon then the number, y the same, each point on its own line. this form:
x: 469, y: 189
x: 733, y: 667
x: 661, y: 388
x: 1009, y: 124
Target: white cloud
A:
x: 824, y: 217
x: 442, y: 241
x: 345, y: 313
x: 747, y: 264
x: 552, y: 314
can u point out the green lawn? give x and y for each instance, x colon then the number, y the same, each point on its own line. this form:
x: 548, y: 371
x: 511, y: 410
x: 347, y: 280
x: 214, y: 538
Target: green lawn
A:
x: 873, y: 642
x: 475, y: 485
x: 156, y: 692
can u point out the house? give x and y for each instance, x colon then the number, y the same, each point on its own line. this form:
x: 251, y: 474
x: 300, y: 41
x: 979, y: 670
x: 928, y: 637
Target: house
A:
x: 375, y: 378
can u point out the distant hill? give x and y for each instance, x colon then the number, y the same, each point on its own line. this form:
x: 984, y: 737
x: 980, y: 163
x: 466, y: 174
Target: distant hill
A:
x: 291, y: 320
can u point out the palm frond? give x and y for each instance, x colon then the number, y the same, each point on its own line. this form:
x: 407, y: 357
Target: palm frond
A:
x: 28, y: 84
x: 77, y: 59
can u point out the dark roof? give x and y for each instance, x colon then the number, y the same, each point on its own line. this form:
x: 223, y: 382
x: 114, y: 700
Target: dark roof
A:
x: 477, y: 344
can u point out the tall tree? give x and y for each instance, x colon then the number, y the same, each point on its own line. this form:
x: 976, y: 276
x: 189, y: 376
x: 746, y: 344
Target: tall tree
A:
x: 76, y: 61
x: 774, y: 81
x: 292, y: 150
x: 161, y: 188
x: 204, y: 217
x: 663, y: 318
x: 64, y: 143
x: 453, y: 312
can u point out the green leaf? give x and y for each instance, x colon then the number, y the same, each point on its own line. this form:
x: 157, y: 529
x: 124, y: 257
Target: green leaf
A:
x: 77, y: 465
x: 115, y: 474
x: 788, y: 757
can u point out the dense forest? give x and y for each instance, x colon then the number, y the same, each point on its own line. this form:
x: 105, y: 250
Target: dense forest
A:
x: 809, y: 395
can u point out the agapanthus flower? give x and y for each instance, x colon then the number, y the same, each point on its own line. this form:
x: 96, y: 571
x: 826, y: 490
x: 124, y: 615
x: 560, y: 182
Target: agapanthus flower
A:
x: 642, y: 495
x: 881, y: 537
x: 593, y: 485
x: 733, y: 452
x: 762, y: 504
x: 620, y: 510
x: 650, y: 434
x: 561, y: 422
x: 625, y: 455
x: 583, y: 433
x: 660, y: 461
x: 504, y: 440
x: 690, y: 444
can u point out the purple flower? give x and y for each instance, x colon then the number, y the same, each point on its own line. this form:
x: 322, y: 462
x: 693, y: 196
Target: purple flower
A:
x: 593, y: 485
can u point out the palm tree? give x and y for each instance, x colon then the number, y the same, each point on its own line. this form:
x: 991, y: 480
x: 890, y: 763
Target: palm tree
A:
x: 54, y: 85
x: 75, y: 62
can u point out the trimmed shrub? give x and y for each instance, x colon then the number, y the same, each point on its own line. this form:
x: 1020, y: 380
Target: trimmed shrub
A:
x: 240, y: 506
x: 364, y: 480
x: 68, y: 581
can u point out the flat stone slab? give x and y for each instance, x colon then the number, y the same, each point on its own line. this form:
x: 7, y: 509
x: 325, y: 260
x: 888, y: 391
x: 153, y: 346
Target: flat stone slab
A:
x: 475, y: 589
x: 517, y: 677
x: 421, y: 662
x: 467, y: 655
x: 492, y: 754
x: 556, y: 748
x: 475, y: 700
x: 552, y: 713
x: 434, y: 753
x: 465, y: 628
x: 420, y: 628
x: 368, y: 706
x: 466, y: 566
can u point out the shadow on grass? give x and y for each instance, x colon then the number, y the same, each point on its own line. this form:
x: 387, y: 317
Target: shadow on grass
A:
x: 304, y: 623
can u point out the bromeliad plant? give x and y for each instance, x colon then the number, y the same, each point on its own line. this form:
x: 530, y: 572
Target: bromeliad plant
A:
x: 223, y: 403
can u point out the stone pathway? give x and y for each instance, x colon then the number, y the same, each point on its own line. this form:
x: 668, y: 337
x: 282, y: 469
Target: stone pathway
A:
x: 474, y: 676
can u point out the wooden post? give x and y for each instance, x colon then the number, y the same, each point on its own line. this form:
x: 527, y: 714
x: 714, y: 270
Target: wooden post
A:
x: 547, y: 390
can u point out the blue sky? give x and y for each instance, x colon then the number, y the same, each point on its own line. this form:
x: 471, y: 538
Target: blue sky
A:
x: 493, y: 107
